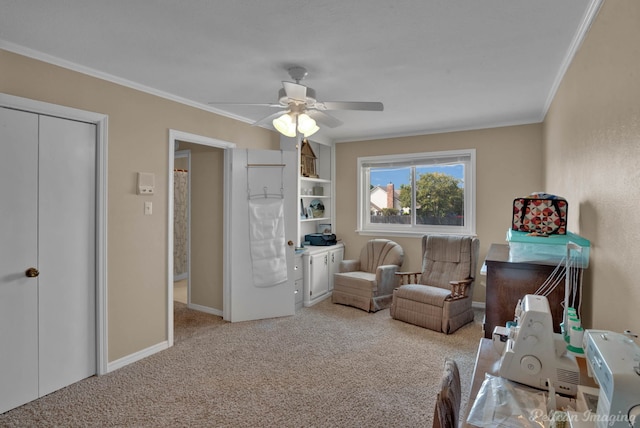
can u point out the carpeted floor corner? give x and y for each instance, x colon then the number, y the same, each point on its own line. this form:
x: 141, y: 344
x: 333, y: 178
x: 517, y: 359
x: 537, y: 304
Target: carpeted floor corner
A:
x: 327, y: 366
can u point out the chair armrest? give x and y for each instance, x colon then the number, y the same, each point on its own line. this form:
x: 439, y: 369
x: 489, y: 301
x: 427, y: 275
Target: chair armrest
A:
x: 459, y: 289
x: 408, y: 277
x: 349, y: 266
x: 386, y: 279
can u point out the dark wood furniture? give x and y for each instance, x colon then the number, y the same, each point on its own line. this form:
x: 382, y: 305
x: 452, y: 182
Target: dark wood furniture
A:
x: 507, y: 282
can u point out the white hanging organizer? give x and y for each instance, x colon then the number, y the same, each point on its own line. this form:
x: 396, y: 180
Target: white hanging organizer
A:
x: 267, y: 228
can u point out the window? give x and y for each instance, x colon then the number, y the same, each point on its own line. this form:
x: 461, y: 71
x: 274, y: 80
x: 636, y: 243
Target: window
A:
x: 417, y: 193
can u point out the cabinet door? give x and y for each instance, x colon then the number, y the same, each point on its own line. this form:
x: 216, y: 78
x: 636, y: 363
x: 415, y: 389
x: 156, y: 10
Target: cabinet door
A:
x: 298, y: 285
x: 319, y: 283
x: 335, y: 257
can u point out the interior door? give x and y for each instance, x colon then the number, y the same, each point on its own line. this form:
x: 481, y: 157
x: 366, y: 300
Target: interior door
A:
x: 66, y: 252
x: 18, y: 252
x: 47, y: 256
x: 257, y: 174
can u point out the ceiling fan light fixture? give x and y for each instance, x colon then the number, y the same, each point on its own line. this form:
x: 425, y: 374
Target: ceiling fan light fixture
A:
x: 285, y: 125
x: 306, y: 125
x: 312, y: 131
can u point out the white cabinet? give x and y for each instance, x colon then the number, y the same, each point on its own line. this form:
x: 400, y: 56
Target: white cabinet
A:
x: 298, y: 284
x: 320, y: 263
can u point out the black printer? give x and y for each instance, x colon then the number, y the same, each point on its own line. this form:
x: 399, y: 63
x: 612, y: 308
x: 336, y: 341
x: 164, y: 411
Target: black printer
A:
x: 321, y: 239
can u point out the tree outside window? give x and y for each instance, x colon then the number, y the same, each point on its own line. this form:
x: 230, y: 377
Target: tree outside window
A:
x: 439, y: 198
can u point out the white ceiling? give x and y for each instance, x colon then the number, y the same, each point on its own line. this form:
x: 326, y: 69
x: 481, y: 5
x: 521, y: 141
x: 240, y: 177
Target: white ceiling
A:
x: 437, y: 65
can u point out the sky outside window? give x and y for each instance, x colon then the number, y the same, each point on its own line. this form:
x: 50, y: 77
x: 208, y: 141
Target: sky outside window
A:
x: 398, y: 176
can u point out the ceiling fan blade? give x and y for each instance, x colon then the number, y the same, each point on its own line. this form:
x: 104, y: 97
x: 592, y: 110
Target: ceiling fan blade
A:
x: 295, y: 91
x: 349, y: 105
x: 269, y: 119
x: 324, y: 118
x: 247, y: 104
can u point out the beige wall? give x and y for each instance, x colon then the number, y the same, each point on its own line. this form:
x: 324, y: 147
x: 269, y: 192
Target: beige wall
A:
x: 508, y: 164
x: 138, y: 141
x: 592, y: 151
x: 207, y: 204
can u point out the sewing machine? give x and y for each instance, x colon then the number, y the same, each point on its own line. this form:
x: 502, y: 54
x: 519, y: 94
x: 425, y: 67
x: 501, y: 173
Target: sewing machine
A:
x: 613, y: 360
x: 533, y: 354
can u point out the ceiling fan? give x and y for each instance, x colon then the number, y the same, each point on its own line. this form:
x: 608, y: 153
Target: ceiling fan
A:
x: 300, y: 109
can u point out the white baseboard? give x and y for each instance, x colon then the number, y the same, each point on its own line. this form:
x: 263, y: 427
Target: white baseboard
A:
x: 205, y: 309
x: 144, y: 353
x: 137, y: 356
x: 478, y: 305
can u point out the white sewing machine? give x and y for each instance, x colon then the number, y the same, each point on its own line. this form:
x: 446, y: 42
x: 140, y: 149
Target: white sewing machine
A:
x: 534, y: 355
x: 613, y: 360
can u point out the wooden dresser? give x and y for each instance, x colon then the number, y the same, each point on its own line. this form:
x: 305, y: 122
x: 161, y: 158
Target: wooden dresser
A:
x: 507, y: 282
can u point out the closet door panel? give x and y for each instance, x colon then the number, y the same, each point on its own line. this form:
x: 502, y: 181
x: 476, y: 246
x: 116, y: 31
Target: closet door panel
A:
x: 67, y: 252
x: 18, y: 252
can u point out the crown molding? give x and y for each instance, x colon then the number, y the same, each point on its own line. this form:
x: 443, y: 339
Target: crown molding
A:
x: 581, y: 33
x: 50, y: 59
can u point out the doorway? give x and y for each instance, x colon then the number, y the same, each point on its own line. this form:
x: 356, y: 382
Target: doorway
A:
x: 198, y: 290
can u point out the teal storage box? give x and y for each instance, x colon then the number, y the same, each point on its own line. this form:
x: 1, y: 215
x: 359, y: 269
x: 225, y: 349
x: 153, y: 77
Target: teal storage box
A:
x: 524, y: 248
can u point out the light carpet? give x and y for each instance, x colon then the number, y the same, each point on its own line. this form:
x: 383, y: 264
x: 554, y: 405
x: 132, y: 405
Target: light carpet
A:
x: 327, y: 366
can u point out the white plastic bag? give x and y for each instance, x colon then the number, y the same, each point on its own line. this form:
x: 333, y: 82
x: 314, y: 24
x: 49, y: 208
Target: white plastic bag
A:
x: 500, y: 403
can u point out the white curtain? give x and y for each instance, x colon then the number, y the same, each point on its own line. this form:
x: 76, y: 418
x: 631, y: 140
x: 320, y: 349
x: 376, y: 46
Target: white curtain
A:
x: 180, y: 220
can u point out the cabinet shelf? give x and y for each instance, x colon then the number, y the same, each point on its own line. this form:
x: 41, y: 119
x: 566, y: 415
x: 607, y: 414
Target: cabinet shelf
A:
x: 314, y: 219
x: 315, y: 180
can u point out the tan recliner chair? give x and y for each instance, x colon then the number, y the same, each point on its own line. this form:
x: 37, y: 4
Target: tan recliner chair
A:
x: 440, y: 296
x: 368, y: 283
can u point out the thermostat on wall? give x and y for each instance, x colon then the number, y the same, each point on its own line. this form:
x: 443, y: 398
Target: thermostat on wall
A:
x: 146, y: 183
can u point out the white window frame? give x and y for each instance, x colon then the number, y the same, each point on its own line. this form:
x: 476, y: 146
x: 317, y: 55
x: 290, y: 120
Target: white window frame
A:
x: 365, y: 227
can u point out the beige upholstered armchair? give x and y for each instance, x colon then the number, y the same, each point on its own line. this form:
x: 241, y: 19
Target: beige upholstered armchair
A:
x: 368, y: 283
x: 439, y: 297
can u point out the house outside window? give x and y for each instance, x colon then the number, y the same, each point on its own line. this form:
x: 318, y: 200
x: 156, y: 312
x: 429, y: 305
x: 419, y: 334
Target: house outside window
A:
x: 417, y: 193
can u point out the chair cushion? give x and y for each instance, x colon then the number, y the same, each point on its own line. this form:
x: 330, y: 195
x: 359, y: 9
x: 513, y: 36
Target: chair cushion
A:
x: 445, y: 248
x: 446, y: 258
x: 424, y: 294
x: 379, y: 252
x: 356, y: 280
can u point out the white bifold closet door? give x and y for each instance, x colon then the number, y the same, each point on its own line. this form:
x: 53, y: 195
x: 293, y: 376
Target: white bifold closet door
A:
x: 47, y: 255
